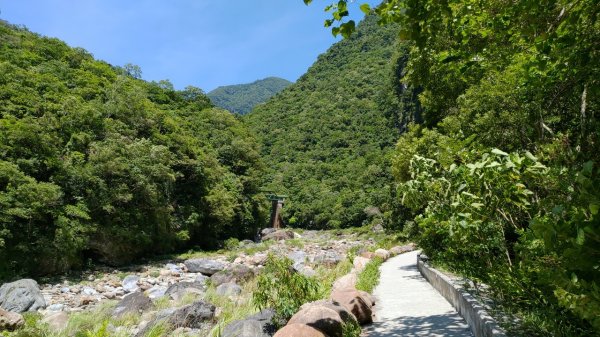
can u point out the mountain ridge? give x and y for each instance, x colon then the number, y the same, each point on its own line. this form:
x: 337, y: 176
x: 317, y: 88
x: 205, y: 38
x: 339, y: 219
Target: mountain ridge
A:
x: 242, y: 98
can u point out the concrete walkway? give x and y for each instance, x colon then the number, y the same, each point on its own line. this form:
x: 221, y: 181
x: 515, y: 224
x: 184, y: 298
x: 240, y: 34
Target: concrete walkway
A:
x: 408, y: 306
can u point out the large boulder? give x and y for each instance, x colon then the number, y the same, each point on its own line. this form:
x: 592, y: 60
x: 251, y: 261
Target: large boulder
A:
x: 177, y: 290
x: 236, y: 273
x: 328, y: 258
x: 298, y: 257
x: 299, y: 330
x: 403, y: 249
x: 355, y: 303
x: 22, y: 295
x: 279, y: 235
x: 344, y: 314
x: 130, y: 283
x: 257, y: 325
x: 347, y: 281
x: 228, y: 289
x: 57, y: 321
x: 155, y: 291
x: 267, y: 231
x: 322, y: 318
x: 10, y: 320
x: 360, y: 263
x: 196, y: 315
x: 133, y: 303
x: 204, y: 266
x: 382, y: 254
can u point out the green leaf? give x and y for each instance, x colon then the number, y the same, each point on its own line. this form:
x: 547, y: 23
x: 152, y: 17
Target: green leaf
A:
x: 307, y: 2
x: 594, y: 208
x: 365, y: 8
x: 580, y: 236
x: 499, y: 152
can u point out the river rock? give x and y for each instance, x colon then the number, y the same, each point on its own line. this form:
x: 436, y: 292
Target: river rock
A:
x: 130, y: 283
x: 57, y: 320
x: 228, y: 289
x: 204, y: 266
x: 344, y: 314
x: 320, y: 317
x: 89, y: 291
x: 177, y: 290
x: 155, y: 292
x: 22, y: 295
x: 298, y: 257
x: 328, y: 258
x: 133, y: 303
x: 279, y: 235
x: 382, y: 254
x: 267, y: 231
x: 195, y: 315
x: 347, y: 281
x: 299, y: 330
x: 355, y: 303
x: 235, y: 273
x: 257, y: 325
x: 360, y: 263
x: 402, y: 249
x: 10, y: 320
x: 56, y: 307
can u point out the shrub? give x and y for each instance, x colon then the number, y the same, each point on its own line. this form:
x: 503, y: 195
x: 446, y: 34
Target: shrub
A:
x: 282, y: 289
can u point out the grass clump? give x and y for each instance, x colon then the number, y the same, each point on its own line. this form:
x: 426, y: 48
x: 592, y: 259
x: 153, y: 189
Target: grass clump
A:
x: 369, y: 277
x: 351, y: 329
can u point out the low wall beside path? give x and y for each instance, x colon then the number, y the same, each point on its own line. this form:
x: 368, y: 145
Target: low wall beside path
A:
x: 480, y: 322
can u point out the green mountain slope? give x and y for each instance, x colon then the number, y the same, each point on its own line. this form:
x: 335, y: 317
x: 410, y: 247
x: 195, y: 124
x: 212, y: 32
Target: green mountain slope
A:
x: 241, y: 98
x: 325, y: 138
x: 97, y: 164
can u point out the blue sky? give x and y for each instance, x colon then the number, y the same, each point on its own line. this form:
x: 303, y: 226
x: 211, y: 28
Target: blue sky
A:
x: 205, y: 43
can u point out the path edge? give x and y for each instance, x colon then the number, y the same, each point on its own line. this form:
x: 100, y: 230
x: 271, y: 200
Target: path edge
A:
x: 480, y: 322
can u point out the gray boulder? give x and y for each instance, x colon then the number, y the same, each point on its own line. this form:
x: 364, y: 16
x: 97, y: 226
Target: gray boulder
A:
x: 133, y: 303
x: 178, y: 290
x: 22, y: 295
x: 236, y: 273
x: 155, y: 292
x: 196, y: 315
x: 130, y: 282
x: 299, y: 257
x: 279, y: 235
x: 204, y: 266
x: 228, y: 289
x: 267, y: 231
x: 257, y: 325
x: 328, y: 258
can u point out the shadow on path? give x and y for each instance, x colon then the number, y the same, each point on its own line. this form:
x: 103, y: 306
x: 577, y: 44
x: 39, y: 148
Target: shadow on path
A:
x: 443, y: 325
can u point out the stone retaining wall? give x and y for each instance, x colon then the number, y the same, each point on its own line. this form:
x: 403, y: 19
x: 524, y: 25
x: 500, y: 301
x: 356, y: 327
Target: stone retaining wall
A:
x: 481, y: 323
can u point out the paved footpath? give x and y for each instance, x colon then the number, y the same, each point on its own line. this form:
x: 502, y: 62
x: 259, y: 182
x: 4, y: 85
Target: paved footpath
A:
x: 408, y: 306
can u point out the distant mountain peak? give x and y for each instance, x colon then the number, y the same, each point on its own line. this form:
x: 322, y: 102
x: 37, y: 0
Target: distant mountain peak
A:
x: 242, y: 98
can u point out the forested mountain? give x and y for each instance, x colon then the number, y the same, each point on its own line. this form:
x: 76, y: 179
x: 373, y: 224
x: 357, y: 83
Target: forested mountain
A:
x: 96, y: 163
x: 241, y: 98
x: 326, y: 138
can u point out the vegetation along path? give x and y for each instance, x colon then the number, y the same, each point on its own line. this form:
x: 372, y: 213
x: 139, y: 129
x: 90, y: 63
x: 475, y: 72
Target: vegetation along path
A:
x: 407, y: 305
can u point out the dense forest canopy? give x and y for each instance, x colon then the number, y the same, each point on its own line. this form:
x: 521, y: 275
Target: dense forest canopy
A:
x: 242, y: 98
x: 96, y: 163
x: 326, y: 138
x: 500, y: 181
